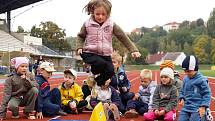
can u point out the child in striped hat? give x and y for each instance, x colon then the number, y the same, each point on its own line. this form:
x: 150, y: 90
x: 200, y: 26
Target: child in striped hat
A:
x: 195, y: 93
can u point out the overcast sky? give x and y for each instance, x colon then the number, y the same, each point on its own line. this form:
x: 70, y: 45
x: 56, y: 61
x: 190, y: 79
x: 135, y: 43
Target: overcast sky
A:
x: 129, y: 14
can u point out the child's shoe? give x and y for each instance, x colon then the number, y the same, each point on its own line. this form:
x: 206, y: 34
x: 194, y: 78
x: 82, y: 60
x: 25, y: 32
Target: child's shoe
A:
x: 131, y: 114
x: 61, y: 113
x: 15, y: 117
x: 30, y: 115
x: 106, y: 110
x: 115, y: 112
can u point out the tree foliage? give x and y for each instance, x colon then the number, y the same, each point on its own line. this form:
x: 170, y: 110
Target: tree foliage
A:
x: 20, y: 29
x: 52, y: 36
x: 211, y: 24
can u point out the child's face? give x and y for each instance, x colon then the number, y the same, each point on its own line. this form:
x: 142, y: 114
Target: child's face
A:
x: 22, y: 69
x: 165, y: 79
x: 116, y: 64
x: 100, y: 14
x: 190, y: 73
x: 69, y: 78
x: 45, y: 73
x: 144, y: 81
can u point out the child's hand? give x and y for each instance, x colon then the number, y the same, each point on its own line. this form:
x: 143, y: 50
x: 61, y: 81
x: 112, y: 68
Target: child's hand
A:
x: 72, y: 105
x: 157, y: 112
x: 124, y: 89
x: 118, y: 91
x: 136, y: 96
x: 23, y: 76
x: 39, y: 115
x: 80, y: 51
x: 201, y: 111
x: 135, y: 54
x: 181, y: 102
x: 162, y: 112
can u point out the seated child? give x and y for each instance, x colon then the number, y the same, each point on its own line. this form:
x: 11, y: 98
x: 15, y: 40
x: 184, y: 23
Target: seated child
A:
x: 49, y: 101
x: 110, y: 99
x: 71, y: 93
x: 143, y: 99
x: 87, y: 89
x: 120, y: 81
x: 20, y: 89
x: 177, y: 81
x: 195, y: 94
x: 164, y: 98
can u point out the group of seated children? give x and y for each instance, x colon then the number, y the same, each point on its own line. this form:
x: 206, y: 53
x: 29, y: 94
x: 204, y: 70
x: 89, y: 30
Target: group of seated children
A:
x: 152, y: 101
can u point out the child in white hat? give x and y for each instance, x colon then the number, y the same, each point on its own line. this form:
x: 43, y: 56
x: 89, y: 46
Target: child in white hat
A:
x: 164, y: 98
x: 71, y: 93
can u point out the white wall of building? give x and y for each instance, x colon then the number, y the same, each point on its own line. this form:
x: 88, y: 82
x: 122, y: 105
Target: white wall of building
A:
x: 32, y: 40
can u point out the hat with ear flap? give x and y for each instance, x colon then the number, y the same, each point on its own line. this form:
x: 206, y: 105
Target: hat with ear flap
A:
x: 190, y: 63
x: 71, y: 71
x: 167, y: 72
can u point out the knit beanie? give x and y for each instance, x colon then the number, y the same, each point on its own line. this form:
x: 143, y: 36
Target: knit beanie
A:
x: 167, y: 63
x: 17, y: 61
x: 167, y: 72
x: 190, y: 63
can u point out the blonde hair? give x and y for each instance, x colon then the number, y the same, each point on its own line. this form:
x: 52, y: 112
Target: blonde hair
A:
x: 116, y: 56
x: 93, y: 4
x: 146, y: 73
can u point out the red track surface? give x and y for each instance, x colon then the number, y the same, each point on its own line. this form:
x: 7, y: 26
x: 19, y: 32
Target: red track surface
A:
x: 134, y: 78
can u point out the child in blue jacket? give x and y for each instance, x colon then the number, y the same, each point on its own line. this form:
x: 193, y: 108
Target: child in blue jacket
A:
x: 120, y: 80
x: 49, y: 101
x: 195, y: 93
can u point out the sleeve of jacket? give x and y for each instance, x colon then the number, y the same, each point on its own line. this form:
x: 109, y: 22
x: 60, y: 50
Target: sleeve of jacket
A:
x: 140, y: 91
x: 115, y: 97
x: 78, y: 93
x: 6, y: 97
x: 31, y: 82
x: 64, y: 100
x: 181, y: 92
x: 205, y: 92
x: 156, y: 98
x: 152, y: 90
x: 81, y: 37
x: 173, y: 100
x: 122, y: 37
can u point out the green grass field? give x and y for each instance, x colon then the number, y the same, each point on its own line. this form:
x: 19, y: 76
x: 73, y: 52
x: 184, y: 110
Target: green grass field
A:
x: 204, y: 69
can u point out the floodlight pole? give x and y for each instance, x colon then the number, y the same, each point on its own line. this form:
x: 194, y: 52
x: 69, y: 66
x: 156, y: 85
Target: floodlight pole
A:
x: 8, y: 21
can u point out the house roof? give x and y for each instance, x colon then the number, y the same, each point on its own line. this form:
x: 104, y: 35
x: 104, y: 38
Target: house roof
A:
x: 151, y: 59
x: 171, y: 56
x: 8, y: 5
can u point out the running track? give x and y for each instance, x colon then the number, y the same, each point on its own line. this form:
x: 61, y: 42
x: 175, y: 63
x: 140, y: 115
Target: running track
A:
x: 133, y: 77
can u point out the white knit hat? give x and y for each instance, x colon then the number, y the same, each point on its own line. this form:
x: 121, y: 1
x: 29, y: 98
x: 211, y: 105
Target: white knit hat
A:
x: 167, y: 72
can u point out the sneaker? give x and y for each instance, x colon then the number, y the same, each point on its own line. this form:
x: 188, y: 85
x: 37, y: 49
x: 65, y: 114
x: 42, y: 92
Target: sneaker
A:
x: 131, y: 114
x: 30, y: 115
x: 106, y: 110
x: 62, y: 113
x: 15, y: 117
x: 115, y: 112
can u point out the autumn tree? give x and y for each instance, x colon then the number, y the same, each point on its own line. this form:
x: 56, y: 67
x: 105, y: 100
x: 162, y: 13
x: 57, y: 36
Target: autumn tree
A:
x: 211, y: 24
x: 20, y: 29
x: 52, y: 36
x: 201, y: 48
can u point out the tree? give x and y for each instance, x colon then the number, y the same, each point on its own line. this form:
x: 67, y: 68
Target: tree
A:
x: 200, y: 48
x: 184, y: 24
x: 187, y: 49
x: 211, y: 24
x: 200, y: 22
x: 213, y: 51
x: 52, y: 36
x: 20, y: 29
